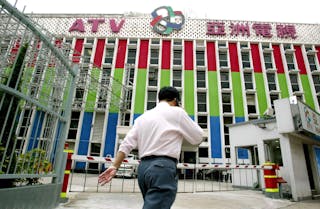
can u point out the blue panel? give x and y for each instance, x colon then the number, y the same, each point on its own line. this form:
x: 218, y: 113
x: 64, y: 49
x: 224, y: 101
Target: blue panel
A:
x: 36, y: 130
x: 317, y: 156
x: 215, y: 136
x: 239, y: 119
x: 135, y: 116
x: 84, y: 137
x: 111, y: 134
x: 243, y: 153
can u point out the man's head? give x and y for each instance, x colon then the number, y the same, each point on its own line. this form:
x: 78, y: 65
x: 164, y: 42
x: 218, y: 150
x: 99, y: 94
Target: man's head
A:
x: 169, y: 94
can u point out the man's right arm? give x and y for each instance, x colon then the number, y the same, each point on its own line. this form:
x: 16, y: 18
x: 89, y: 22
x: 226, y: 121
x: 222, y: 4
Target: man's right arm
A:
x: 191, y: 131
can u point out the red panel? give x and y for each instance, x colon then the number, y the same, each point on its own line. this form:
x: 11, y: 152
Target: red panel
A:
x: 99, y: 53
x: 211, y: 56
x: 300, y: 61
x: 318, y: 53
x: 166, y: 55
x: 234, y: 59
x: 77, y: 50
x: 277, y: 58
x: 188, y: 55
x: 256, y: 59
x: 121, y: 54
x: 143, y: 56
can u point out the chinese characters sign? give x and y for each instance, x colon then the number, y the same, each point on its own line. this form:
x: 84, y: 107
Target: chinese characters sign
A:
x: 310, y: 119
x: 244, y: 29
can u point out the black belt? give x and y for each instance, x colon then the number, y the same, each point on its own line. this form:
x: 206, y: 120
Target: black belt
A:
x: 150, y: 157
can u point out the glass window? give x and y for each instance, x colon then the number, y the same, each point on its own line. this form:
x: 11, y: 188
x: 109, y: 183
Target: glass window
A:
x: 267, y: 60
x: 111, y: 41
x: 154, y: 58
x: 271, y: 77
x: 152, y: 99
x: 224, y: 79
x: 155, y: 41
x: 200, y: 58
x: 202, y: 102
x: 95, y: 149
x: 87, y: 55
x: 251, y: 103
x: 202, y: 121
x: 177, y: 54
x: 153, y: 76
x: 245, y: 60
x: 226, y: 103
x: 72, y: 134
x: 316, y: 82
x: 201, y: 79
x: 203, y: 152
x: 312, y: 62
x: 131, y: 56
x: 290, y: 62
x: 273, y: 97
x: 177, y: 42
x: 287, y: 46
x: 248, y: 82
x: 294, y: 82
x: 109, y: 56
x: 273, y: 151
x: 223, y: 59
x: 176, y: 77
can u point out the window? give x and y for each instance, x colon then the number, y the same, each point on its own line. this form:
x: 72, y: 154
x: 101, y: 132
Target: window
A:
x: 131, y: 56
x: 152, y: 99
x: 287, y: 46
x: 267, y: 60
x: 202, y: 121
x: 224, y: 79
x: 153, y: 76
x: 111, y: 41
x: 251, y: 104
x: 72, y: 134
x: 202, y: 101
x: 203, y: 152
x: 177, y: 54
x: 271, y: 77
x: 308, y: 48
x: 245, y: 60
x: 223, y: 59
x: 79, y: 94
x: 273, y: 151
x: 248, y: 82
x: 312, y: 63
x: 226, y: 103
x: 155, y: 41
x: 133, y: 41
x: 95, y: 149
x: 89, y: 41
x: 154, y: 58
x: 130, y: 74
x: 316, y: 82
x: 177, y: 42
x: 290, y: 62
x: 25, y: 123
x: 200, y: 58
x: 109, y: 56
x: 294, y: 82
x: 273, y: 97
x: 226, y: 121
x: 87, y: 55
x: 201, y: 79
x: 176, y: 77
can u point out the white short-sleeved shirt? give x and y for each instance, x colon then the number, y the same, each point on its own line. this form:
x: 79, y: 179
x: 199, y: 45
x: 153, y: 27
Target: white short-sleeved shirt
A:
x: 160, y: 131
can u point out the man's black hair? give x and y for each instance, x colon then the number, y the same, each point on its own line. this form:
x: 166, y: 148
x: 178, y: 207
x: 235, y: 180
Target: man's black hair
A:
x: 169, y: 93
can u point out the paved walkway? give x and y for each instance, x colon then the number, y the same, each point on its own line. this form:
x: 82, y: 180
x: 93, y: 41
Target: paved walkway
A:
x: 221, y: 200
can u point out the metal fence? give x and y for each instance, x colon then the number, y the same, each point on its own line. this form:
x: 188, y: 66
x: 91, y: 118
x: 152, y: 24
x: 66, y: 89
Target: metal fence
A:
x: 192, y: 177
x: 37, y: 82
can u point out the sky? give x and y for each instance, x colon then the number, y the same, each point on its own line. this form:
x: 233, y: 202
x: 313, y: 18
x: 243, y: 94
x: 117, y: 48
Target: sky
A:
x: 290, y: 11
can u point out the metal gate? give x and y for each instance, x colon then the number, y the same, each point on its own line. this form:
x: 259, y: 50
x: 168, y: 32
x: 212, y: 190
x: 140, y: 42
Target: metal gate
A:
x: 37, y: 83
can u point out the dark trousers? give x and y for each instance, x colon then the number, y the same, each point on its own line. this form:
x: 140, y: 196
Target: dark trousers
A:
x: 158, y: 181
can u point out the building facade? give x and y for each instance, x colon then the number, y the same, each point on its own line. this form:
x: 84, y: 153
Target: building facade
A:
x: 227, y: 72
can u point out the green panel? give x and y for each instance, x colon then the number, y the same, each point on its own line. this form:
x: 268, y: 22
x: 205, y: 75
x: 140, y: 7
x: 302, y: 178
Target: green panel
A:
x: 283, y: 86
x: 66, y: 90
x: 165, y: 78
x: 140, y: 91
x: 92, y: 91
x: 116, y: 90
x: 307, y: 91
x: 26, y: 79
x: 213, y: 93
x: 261, y: 92
x: 46, y: 86
x: 189, y: 92
x: 237, y: 94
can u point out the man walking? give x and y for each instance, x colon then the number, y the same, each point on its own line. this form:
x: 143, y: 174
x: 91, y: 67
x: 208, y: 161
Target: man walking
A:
x: 158, y: 135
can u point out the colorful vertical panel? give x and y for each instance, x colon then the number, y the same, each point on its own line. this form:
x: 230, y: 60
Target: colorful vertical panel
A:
x: 236, y: 83
x: 99, y: 53
x: 259, y: 79
x: 282, y: 80
x: 188, y: 78
x: 92, y: 90
x: 165, y: 63
x: 139, y: 100
x: 77, y: 51
x: 215, y: 135
x: 36, y: 130
x: 304, y: 77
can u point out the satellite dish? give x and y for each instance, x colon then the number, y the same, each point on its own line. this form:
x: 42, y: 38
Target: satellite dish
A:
x: 269, y: 112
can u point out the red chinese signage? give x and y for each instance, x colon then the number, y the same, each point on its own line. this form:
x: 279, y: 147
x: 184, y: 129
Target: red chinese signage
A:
x: 260, y: 29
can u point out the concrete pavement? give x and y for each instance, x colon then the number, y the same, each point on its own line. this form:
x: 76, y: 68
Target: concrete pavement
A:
x: 243, y: 199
